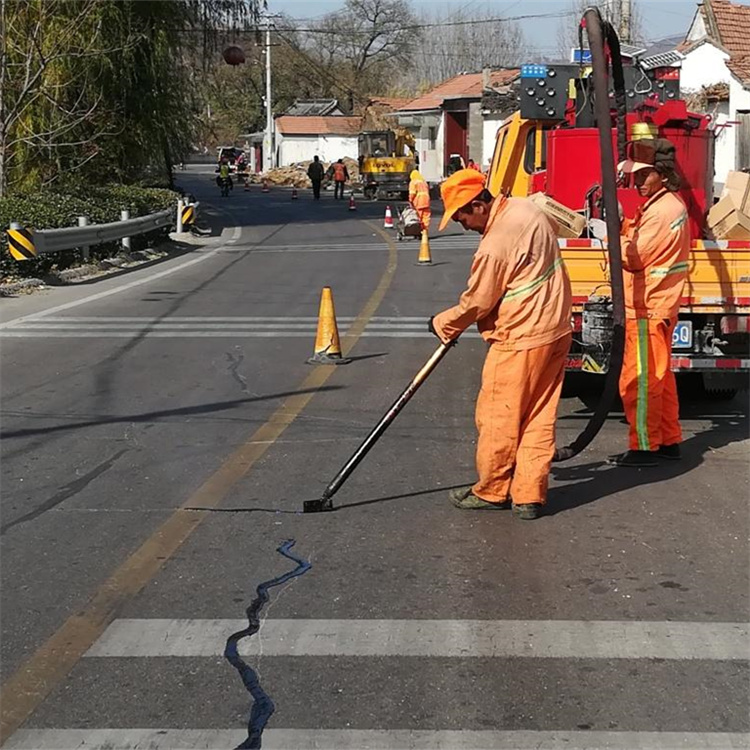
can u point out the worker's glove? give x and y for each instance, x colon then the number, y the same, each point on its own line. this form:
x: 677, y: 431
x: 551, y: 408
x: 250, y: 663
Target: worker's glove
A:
x: 431, y: 326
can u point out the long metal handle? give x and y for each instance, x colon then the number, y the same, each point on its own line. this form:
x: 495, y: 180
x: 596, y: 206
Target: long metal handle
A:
x: 381, y: 426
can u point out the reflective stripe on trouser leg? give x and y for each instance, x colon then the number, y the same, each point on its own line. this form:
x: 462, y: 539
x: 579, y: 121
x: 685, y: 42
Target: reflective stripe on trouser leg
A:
x: 641, y: 408
x: 644, y: 376
x: 536, y: 446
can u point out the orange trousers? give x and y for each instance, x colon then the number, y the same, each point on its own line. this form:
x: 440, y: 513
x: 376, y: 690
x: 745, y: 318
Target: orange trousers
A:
x: 647, y: 385
x: 425, y: 216
x: 515, y: 415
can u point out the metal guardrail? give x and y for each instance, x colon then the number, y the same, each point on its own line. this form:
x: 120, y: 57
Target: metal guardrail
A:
x: 26, y: 244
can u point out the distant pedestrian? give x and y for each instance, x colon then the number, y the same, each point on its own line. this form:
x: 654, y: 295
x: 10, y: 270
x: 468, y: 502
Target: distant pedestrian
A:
x: 316, y: 173
x: 473, y: 165
x: 340, y: 175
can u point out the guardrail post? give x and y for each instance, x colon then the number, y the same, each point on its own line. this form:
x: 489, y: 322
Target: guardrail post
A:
x: 83, y: 221
x: 124, y: 216
x: 180, y: 206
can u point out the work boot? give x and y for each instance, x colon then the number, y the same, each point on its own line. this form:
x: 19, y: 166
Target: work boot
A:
x: 528, y: 511
x: 670, y: 452
x: 465, y: 499
x: 634, y: 459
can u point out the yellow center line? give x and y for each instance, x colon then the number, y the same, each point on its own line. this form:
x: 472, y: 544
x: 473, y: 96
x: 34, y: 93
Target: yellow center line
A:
x: 34, y: 680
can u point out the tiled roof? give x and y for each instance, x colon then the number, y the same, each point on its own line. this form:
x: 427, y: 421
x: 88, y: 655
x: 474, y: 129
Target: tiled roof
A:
x: 466, y: 85
x: 334, y: 125
x: 733, y: 26
x: 740, y: 67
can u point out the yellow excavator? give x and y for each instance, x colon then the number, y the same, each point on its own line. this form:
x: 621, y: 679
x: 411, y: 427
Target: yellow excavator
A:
x: 386, y: 159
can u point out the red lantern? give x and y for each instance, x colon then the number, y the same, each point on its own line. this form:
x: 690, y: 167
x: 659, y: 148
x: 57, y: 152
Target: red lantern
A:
x: 233, y: 56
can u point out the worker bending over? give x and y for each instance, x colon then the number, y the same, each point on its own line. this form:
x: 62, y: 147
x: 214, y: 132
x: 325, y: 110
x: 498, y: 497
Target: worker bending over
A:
x: 519, y: 296
x: 655, y: 249
x: 419, y: 197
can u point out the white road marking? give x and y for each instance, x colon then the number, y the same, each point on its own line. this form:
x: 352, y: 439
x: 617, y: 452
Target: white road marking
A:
x: 559, y: 639
x: 369, y: 739
x: 149, y: 278
x: 205, y: 327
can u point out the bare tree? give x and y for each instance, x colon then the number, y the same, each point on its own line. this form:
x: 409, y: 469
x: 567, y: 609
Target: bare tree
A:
x: 463, y: 41
x: 364, y: 45
x: 611, y: 10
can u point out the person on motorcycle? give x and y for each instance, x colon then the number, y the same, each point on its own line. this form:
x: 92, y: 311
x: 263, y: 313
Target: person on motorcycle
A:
x: 224, y: 180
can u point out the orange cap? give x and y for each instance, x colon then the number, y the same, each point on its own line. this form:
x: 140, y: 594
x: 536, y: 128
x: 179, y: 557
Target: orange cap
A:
x: 458, y: 190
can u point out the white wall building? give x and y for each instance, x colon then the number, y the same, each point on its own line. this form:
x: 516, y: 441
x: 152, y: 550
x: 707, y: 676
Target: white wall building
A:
x: 717, y: 50
x: 330, y: 137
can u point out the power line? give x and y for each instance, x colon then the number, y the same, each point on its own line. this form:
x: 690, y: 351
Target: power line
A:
x: 418, y: 26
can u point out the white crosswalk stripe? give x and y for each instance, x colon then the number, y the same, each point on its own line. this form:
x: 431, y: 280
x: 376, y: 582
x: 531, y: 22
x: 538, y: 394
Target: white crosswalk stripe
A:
x: 559, y: 639
x: 209, y: 327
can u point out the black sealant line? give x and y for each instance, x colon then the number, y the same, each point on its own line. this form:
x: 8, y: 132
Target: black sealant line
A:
x: 263, y: 706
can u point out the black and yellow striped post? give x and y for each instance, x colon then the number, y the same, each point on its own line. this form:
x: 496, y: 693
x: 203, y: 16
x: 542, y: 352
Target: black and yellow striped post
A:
x: 188, y: 215
x: 21, y: 242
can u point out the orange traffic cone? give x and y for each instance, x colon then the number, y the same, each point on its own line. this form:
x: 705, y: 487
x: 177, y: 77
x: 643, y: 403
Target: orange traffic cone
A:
x: 425, y: 259
x: 352, y: 204
x: 327, y: 345
x: 388, y: 223
x: 265, y: 187
x: 294, y: 193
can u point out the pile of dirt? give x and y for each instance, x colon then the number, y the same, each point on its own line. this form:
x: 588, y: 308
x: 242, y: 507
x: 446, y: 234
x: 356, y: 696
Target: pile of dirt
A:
x: 295, y: 175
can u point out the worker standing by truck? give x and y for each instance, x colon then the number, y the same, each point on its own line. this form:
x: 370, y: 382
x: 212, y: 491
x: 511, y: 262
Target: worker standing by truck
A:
x: 519, y: 296
x: 419, y: 198
x: 655, y: 249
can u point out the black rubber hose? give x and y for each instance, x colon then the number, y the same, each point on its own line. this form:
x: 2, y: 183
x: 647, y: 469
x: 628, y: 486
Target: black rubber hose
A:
x: 595, y: 28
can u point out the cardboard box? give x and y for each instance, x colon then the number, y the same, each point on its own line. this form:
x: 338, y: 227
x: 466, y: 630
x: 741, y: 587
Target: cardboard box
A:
x: 727, y: 222
x: 737, y: 187
x: 568, y: 223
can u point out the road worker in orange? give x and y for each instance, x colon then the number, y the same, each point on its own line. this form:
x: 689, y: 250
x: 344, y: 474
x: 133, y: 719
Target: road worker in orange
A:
x: 519, y: 296
x: 419, y: 197
x: 655, y: 249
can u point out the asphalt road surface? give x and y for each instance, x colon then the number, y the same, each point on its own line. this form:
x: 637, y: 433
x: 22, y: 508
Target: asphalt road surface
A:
x: 161, y: 430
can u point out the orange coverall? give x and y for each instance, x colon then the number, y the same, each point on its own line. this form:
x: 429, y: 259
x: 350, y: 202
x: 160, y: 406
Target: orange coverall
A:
x: 519, y: 296
x: 419, y: 197
x: 655, y: 250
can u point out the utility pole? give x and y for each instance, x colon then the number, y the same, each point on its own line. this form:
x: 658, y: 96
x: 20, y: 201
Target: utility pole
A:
x: 625, y: 21
x: 268, y: 149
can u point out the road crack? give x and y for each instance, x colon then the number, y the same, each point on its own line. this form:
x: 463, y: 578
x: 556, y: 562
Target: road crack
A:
x: 263, y: 706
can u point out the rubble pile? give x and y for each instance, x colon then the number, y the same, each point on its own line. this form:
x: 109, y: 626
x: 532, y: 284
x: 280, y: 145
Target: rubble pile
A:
x: 295, y: 175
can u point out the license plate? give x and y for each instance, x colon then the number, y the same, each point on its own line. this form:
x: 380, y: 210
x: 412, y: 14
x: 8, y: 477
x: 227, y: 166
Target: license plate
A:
x: 682, y: 335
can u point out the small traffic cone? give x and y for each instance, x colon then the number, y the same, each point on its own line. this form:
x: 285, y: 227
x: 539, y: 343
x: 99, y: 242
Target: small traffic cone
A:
x: 265, y: 187
x: 294, y: 193
x: 388, y: 223
x: 425, y: 259
x: 327, y: 345
x: 352, y: 204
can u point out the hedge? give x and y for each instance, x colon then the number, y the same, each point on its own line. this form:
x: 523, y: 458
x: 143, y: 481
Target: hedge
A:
x: 51, y: 209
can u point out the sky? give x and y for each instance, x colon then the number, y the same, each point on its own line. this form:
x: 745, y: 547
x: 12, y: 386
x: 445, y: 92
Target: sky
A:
x: 662, y: 18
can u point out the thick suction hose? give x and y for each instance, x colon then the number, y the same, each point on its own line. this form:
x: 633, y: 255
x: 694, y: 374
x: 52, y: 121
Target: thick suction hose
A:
x: 599, y: 30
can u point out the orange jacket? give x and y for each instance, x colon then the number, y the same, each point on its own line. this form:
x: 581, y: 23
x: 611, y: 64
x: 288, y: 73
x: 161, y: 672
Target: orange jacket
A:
x: 419, y: 194
x: 518, y: 292
x: 340, y: 173
x: 655, y: 250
